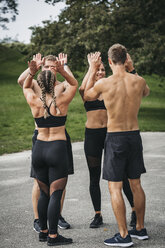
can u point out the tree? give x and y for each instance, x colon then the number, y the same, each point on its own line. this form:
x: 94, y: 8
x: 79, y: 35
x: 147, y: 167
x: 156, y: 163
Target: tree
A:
x: 82, y: 27
x: 8, y: 7
x: 139, y: 25
x: 86, y: 26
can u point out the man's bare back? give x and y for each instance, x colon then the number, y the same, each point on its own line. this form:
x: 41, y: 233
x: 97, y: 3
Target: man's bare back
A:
x: 122, y: 93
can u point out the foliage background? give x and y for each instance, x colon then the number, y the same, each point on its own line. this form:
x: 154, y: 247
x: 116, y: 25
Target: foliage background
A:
x: 83, y: 27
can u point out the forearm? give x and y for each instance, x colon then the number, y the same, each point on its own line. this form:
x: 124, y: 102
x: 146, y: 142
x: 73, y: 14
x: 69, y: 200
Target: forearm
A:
x: 69, y: 78
x: 28, y: 83
x: 23, y: 76
x: 85, y: 80
x: 67, y: 69
x: 88, y: 92
x: 91, y: 78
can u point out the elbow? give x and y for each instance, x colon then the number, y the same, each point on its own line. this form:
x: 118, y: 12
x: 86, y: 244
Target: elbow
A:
x: 19, y: 81
x: 81, y: 89
x: 86, y: 97
x: 146, y: 93
x: 76, y: 84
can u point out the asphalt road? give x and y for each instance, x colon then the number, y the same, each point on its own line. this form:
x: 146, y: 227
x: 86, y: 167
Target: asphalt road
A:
x: 16, y: 215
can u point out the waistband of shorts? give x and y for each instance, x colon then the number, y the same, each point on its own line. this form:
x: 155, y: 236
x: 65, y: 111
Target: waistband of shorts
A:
x: 95, y: 130
x: 50, y: 142
x: 124, y: 133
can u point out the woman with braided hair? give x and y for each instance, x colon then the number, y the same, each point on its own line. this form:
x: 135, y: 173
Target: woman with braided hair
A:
x: 46, y: 82
x: 49, y: 155
x: 48, y: 63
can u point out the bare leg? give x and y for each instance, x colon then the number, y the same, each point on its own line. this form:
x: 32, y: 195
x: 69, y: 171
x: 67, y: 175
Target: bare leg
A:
x: 118, y: 206
x: 139, y: 202
x: 35, y: 197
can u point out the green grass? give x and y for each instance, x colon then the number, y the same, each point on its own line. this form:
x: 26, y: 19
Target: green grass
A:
x: 152, y: 111
x: 16, y: 122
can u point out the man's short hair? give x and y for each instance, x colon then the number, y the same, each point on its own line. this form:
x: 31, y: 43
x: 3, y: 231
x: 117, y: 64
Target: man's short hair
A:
x: 117, y: 53
x: 50, y: 57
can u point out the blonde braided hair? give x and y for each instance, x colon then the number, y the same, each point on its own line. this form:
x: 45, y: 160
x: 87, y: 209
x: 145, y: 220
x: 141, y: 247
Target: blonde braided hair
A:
x: 46, y: 80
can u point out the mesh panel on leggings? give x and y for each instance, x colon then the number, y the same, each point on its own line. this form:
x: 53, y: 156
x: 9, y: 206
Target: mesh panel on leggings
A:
x: 93, y: 161
x: 43, y: 187
x: 59, y: 184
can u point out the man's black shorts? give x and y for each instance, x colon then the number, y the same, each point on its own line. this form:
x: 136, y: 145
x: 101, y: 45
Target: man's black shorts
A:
x: 123, y: 155
x: 69, y: 150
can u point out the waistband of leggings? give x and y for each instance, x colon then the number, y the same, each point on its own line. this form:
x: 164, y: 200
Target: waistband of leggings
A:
x: 36, y: 131
x: 95, y: 130
x: 124, y: 133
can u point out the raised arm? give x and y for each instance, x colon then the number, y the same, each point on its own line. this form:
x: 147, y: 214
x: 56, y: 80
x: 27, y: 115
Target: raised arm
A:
x: 64, y: 58
x: 129, y: 65
x: 91, y: 92
x: 28, y: 83
x: 85, y: 80
x: 146, y: 90
x: 73, y: 84
x: 23, y: 76
x: 59, y: 67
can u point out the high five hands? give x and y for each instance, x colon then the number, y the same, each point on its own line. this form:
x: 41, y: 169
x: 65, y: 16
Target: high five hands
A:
x: 63, y: 58
x: 60, y: 61
x: 35, y: 64
x: 94, y: 59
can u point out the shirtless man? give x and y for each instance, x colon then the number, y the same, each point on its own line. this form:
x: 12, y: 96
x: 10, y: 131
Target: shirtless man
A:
x: 47, y: 63
x: 122, y: 93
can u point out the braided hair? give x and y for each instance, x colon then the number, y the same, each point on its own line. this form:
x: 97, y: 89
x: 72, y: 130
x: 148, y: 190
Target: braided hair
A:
x: 46, y: 80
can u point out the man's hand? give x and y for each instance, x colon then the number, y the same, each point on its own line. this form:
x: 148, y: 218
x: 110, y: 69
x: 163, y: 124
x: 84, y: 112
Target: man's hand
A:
x: 129, y: 63
x: 63, y: 58
x: 94, y: 59
x: 59, y: 65
x: 32, y: 67
x: 38, y: 60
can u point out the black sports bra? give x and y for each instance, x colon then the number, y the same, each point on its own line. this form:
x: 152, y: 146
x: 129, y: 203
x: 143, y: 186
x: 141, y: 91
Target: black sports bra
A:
x: 50, y: 121
x: 94, y: 105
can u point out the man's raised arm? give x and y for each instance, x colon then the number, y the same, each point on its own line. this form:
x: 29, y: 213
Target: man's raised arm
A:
x: 146, y: 90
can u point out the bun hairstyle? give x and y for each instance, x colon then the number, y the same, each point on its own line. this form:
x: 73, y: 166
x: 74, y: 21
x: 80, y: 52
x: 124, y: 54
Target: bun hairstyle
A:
x: 46, y: 80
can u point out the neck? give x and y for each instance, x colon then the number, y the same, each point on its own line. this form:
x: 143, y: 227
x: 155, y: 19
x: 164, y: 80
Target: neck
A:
x: 48, y: 96
x: 118, y: 69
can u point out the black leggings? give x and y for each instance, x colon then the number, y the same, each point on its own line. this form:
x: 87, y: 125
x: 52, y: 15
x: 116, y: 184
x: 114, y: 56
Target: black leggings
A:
x: 127, y: 191
x: 50, y: 164
x: 93, y: 146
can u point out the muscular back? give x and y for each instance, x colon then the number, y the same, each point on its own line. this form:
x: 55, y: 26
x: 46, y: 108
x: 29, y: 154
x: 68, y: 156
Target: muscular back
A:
x: 122, y: 95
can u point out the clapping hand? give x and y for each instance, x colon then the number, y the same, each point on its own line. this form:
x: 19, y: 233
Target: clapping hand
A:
x: 62, y: 57
x: 38, y: 60
x: 94, y: 59
x: 32, y: 67
x: 129, y: 63
x: 59, y: 65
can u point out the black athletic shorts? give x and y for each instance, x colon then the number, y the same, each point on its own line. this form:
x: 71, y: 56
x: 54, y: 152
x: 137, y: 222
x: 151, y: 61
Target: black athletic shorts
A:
x: 123, y: 155
x: 69, y: 150
x: 49, y: 159
x: 94, y: 141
